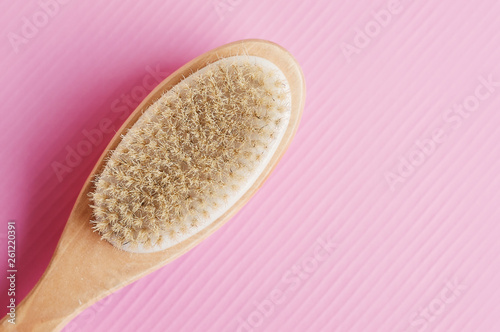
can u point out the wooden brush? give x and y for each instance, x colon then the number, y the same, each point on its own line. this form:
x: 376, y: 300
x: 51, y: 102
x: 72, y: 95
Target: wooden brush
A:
x: 185, y: 161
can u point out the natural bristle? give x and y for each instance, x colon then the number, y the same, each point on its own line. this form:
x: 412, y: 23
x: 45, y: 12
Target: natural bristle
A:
x: 190, y: 153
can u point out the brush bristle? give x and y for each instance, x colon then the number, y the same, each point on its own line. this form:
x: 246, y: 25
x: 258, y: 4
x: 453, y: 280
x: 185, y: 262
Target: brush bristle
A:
x: 190, y: 153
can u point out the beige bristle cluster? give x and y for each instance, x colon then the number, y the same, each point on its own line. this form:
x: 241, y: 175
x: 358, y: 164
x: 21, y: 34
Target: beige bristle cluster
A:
x: 191, y: 154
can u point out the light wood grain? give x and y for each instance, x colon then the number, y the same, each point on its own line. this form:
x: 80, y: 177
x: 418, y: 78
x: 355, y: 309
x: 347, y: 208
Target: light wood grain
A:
x: 85, y: 269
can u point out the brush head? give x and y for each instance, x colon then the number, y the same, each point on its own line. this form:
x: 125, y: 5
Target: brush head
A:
x: 192, y: 154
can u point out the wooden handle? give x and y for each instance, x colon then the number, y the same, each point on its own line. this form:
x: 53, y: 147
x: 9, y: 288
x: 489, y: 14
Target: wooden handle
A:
x: 73, y: 280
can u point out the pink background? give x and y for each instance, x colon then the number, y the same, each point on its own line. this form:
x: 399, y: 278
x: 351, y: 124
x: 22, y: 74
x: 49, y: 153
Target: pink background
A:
x: 420, y: 256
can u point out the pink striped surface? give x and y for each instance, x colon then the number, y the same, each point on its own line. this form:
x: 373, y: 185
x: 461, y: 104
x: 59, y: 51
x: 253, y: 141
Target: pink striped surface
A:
x: 382, y: 216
